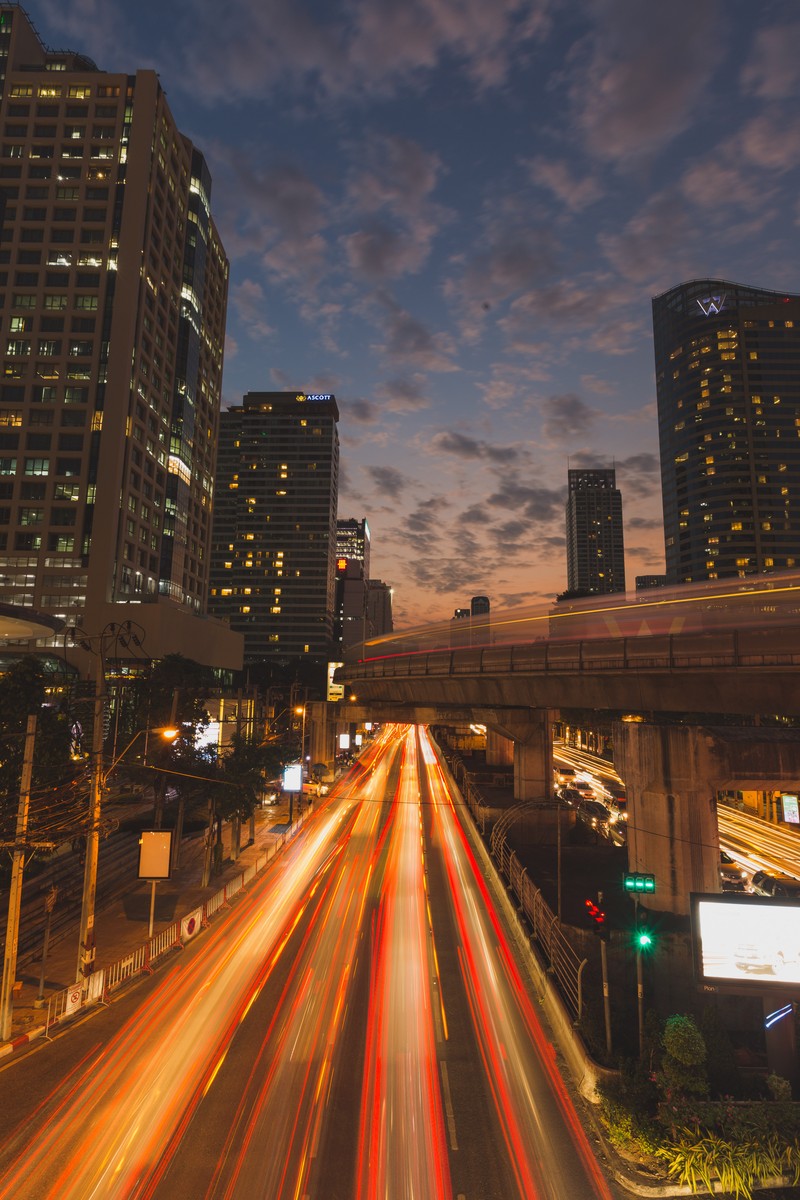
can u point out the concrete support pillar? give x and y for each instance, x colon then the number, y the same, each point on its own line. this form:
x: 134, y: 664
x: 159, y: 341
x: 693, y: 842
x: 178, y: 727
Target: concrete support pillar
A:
x: 533, y: 757
x: 499, y: 749
x: 320, y: 733
x: 672, y: 774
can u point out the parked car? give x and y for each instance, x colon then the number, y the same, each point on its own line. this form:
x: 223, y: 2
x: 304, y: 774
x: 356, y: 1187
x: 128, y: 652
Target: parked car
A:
x: 777, y: 887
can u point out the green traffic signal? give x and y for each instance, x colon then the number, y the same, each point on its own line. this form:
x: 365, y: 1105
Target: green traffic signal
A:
x: 644, y: 939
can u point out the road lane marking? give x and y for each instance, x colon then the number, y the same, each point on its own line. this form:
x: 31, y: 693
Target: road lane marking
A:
x: 448, y: 1106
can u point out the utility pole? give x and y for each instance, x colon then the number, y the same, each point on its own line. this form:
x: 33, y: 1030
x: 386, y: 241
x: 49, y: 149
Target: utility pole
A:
x: 161, y: 785
x: 15, y: 893
x: 86, y: 939
x: 604, y: 973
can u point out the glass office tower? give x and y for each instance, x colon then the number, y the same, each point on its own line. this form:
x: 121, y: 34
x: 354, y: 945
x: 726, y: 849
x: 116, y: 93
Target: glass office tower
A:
x: 728, y: 386
x: 113, y: 284
x: 595, y: 544
x: 274, y: 544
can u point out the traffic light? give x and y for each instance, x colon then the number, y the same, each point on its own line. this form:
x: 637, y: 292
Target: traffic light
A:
x: 644, y: 934
x: 597, y: 920
x: 638, y: 881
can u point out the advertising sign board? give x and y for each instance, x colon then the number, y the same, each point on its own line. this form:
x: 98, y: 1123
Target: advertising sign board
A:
x: 155, y: 853
x: 746, y: 941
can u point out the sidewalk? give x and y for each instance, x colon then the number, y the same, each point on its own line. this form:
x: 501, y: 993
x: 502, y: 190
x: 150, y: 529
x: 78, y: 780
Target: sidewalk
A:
x: 122, y: 926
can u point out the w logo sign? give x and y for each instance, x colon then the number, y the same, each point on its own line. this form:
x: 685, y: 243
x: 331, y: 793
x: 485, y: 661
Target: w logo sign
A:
x: 713, y: 304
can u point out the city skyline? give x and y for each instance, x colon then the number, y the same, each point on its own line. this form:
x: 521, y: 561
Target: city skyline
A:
x: 458, y: 226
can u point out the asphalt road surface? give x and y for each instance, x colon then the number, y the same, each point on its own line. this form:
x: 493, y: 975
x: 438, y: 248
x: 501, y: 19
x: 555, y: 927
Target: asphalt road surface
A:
x: 357, y: 1028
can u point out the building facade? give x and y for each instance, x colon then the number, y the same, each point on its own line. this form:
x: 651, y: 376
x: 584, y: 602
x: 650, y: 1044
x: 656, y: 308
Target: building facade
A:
x: 380, y: 619
x: 728, y: 385
x: 350, y: 625
x: 595, y: 544
x: 115, y: 285
x: 273, y: 552
x: 353, y: 541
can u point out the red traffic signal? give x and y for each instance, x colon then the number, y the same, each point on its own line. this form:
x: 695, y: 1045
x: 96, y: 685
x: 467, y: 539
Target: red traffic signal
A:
x: 597, y: 920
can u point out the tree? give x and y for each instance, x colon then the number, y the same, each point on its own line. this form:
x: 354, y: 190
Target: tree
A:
x: 244, y: 767
x: 683, y: 1065
x: 22, y: 691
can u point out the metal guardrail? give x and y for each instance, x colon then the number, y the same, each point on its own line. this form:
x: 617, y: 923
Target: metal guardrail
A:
x: 565, y: 964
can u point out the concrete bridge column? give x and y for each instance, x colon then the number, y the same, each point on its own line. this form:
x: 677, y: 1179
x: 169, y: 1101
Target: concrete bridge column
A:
x: 499, y: 749
x: 320, y: 730
x: 672, y: 774
x: 533, y: 757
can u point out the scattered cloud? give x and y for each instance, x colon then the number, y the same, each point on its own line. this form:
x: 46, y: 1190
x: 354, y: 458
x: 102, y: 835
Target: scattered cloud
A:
x: 463, y: 447
x: 639, y: 475
x: 773, y: 70
x: 639, y: 77
x: 403, y: 394
x: 643, y: 523
x: 565, y: 417
x: 411, y: 342
x: 388, y: 481
x: 534, y: 503
x: 248, y: 300
x: 556, y: 176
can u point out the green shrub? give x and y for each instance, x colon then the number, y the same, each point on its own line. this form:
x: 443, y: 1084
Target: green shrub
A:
x: 779, y: 1088
x: 683, y: 1065
x: 701, y: 1160
x: 630, y: 1130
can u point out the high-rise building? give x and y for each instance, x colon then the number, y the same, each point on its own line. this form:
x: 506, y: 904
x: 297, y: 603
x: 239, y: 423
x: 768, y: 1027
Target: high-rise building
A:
x: 595, y: 548
x: 353, y: 541
x: 728, y: 385
x: 115, y: 284
x: 379, y: 608
x: 351, y: 604
x: 274, y: 546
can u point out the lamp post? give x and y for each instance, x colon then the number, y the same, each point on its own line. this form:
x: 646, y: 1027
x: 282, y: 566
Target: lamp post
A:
x: 15, y: 891
x: 302, y: 710
x: 86, y: 941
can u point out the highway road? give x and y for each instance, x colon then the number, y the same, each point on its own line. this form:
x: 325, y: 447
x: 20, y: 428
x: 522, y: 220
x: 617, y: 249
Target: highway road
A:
x: 756, y: 844
x: 357, y: 1029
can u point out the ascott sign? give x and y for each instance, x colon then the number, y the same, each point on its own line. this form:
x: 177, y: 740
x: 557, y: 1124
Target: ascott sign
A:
x: 746, y: 941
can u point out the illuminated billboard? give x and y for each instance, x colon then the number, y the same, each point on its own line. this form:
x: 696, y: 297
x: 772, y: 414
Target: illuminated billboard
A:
x: 791, y: 809
x: 746, y: 941
x: 293, y: 778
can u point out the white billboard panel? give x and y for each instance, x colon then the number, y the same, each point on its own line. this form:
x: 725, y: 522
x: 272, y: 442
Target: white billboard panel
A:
x: 791, y: 809
x: 293, y: 778
x: 155, y: 853
x: 747, y: 940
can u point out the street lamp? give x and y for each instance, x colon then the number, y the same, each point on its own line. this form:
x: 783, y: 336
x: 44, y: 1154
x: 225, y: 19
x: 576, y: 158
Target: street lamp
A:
x: 302, y: 710
x: 86, y: 944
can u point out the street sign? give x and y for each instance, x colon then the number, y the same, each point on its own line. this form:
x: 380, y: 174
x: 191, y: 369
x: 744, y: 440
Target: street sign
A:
x: 638, y: 883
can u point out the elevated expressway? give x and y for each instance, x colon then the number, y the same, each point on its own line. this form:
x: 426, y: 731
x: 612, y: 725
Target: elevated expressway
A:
x: 695, y: 711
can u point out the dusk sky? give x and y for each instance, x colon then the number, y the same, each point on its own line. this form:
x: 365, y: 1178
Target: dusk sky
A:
x: 453, y: 214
